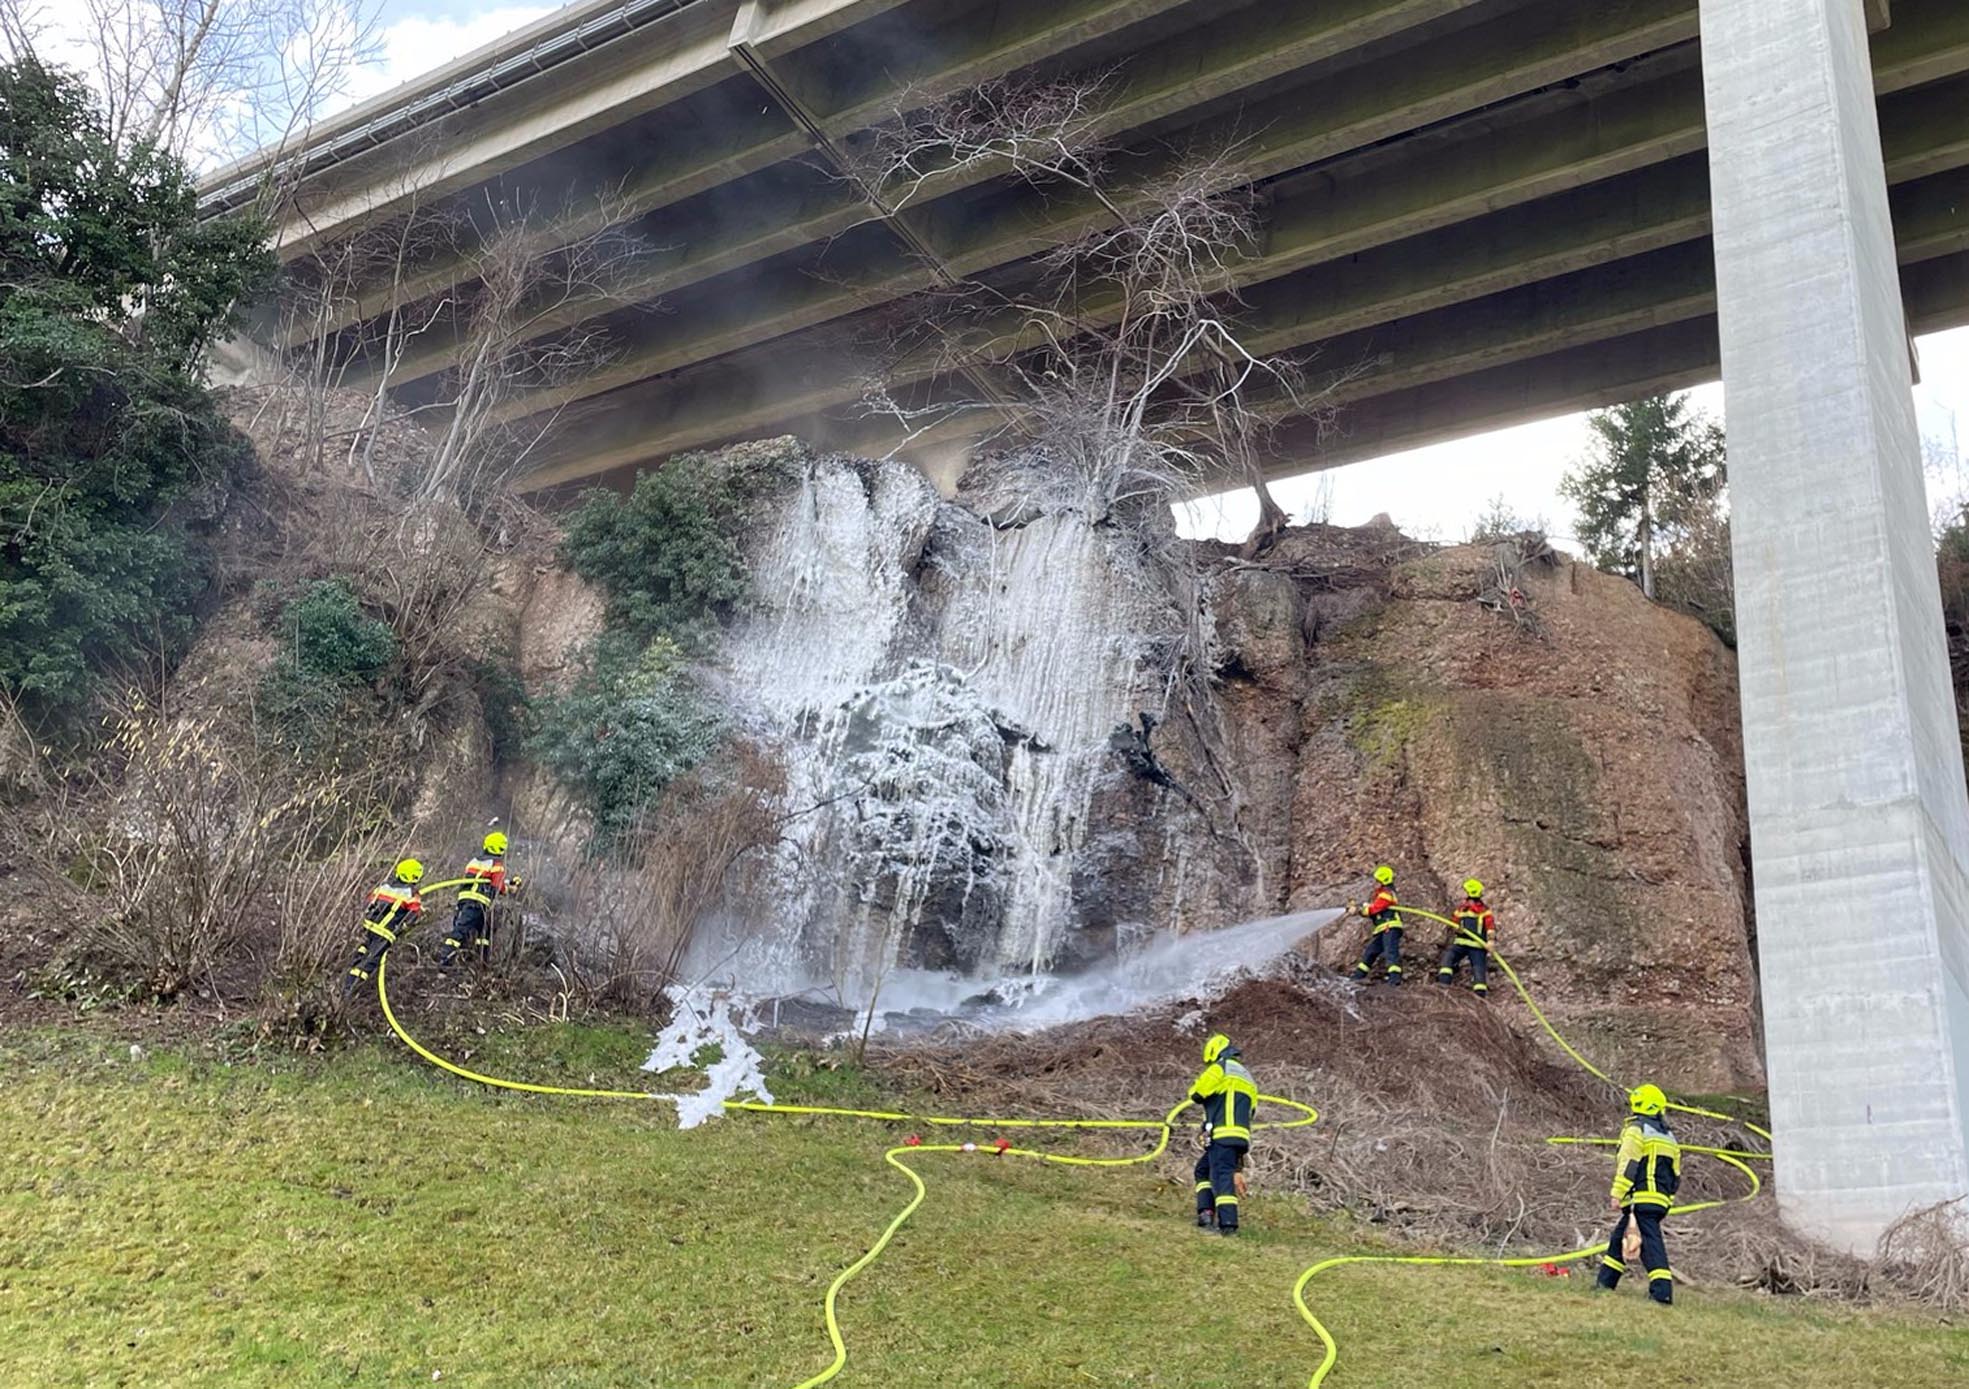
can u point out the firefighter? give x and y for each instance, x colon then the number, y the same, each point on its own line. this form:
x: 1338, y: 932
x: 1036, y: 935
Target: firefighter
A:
x: 1474, y: 922
x: 394, y: 908
x: 1647, y: 1171
x: 1384, y: 942
x: 471, y: 922
x: 1228, y: 1095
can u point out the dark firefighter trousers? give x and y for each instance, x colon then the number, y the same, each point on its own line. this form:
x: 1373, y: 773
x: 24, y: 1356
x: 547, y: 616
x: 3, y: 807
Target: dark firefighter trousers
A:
x: 471, y: 930
x: 1216, y: 1180
x: 1384, y: 946
x: 1479, y: 959
x: 1654, y: 1253
x: 369, y: 954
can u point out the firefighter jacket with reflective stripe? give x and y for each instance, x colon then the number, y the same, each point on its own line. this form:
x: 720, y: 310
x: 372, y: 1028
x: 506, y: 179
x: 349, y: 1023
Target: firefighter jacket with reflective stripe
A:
x: 1380, y: 911
x: 1228, y: 1095
x: 1473, y: 918
x: 488, y: 880
x: 1647, y: 1171
x: 392, y: 907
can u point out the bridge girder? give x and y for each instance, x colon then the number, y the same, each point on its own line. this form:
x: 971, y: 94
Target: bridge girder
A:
x: 1421, y: 162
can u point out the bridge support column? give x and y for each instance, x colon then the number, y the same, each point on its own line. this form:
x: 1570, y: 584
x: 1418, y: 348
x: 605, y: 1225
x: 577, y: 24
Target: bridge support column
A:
x: 1859, y: 820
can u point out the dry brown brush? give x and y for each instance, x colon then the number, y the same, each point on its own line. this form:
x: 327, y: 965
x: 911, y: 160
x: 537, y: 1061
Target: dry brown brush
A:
x: 194, y: 844
x: 638, y: 910
x: 1925, y: 1255
x: 1434, y: 1115
x: 315, y: 905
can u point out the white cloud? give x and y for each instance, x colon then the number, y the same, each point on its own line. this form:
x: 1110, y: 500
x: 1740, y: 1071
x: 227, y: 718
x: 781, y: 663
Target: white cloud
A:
x: 275, y: 58
x: 411, y: 47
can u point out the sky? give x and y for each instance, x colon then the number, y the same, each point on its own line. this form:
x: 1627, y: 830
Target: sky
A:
x: 1437, y: 492
x: 418, y: 35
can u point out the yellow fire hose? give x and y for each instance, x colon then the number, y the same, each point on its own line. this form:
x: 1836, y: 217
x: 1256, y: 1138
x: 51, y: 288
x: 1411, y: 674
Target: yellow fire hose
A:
x: 1163, y: 1127
x: 389, y: 1016
x: 1497, y: 958
x: 1734, y: 1157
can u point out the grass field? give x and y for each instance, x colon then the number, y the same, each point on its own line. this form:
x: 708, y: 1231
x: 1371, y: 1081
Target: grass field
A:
x: 361, y: 1220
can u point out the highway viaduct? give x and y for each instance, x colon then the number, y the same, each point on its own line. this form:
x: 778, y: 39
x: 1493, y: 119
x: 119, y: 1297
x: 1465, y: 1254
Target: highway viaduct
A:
x: 1483, y: 211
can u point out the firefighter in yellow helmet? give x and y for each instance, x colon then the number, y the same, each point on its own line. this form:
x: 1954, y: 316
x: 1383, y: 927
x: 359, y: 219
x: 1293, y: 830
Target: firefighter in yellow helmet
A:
x: 1228, y: 1096
x: 1474, y: 922
x: 394, y: 907
x: 471, y: 920
x: 1647, y: 1172
x: 1384, y: 940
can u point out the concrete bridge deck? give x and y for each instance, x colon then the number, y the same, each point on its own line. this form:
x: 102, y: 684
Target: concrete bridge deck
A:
x: 1480, y: 211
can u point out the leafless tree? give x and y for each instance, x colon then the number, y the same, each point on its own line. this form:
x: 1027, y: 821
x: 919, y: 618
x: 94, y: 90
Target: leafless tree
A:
x: 1015, y: 125
x: 517, y: 328
x: 1117, y: 349
x: 321, y: 294
x: 209, y: 79
x: 1695, y: 570
x: 515, y: 342
x: 1118, y: 346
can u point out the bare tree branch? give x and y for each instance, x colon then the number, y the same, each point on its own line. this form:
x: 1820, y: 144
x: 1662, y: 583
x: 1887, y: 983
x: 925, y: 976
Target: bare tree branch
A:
x: 1118, y: 347
x: 504, y: 332
x: 207, y: 79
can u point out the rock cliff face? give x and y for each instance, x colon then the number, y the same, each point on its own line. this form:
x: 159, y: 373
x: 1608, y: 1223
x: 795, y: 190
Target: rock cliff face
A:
x: 957, y: 687
x: 941, y: 681
x: 1591, y: 776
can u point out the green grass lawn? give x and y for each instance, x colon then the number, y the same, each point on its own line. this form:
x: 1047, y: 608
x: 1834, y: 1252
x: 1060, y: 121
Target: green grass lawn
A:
x: 362, y: 1220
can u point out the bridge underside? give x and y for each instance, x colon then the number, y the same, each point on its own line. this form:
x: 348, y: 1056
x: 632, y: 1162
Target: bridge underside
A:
x: 1473, y: 212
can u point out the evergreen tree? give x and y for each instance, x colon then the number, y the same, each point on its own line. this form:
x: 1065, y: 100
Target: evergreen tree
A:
x: 110, y: 290
x: 1656, y: 468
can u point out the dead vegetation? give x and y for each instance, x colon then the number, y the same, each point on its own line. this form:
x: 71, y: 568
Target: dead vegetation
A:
x: 214, y: 855
x: 486, y: 365
x: 187, y: 851
x: 215, y: 850
x: 1504, y: 589
x: 1117, y: 347
x: 635, y: 914
x: 1435, y: 1111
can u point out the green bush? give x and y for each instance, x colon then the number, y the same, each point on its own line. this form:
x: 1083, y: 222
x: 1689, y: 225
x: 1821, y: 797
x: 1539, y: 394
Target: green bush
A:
x: 331, y: 638
x: 330, y: 650
x: 666, y: 558
x: 667, y: 561
x: 110, y: 289
x: 630, y: 725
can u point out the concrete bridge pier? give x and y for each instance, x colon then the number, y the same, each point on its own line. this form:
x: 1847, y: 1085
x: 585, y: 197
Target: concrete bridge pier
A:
x: 1859, y: 819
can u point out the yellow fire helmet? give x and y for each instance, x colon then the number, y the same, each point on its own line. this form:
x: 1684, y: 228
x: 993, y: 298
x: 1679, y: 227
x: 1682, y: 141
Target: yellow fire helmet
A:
x: 410, y: 871
x: 1472, y: 888
x: 1384, y: 875
x: 1215, y: 1048
x: 1647, y: 1099
x: 495, y: 843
